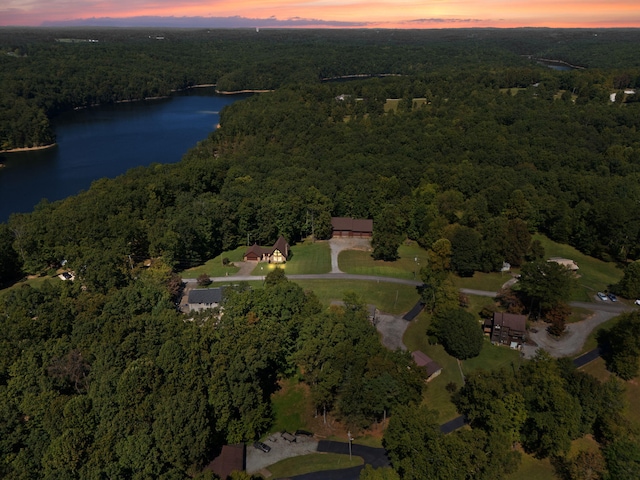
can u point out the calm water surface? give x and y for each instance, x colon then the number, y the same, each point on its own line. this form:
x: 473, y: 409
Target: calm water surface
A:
x: 106, y: 141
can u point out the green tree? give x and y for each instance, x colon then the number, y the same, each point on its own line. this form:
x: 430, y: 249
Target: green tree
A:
x: 466, y: 248
x: 623, y: 340
x: 387, y: 234
x: 459, y: 332
x: 544, y: 284
x: 629, y: 286
x: 381, y: 473
x: 10, y: 264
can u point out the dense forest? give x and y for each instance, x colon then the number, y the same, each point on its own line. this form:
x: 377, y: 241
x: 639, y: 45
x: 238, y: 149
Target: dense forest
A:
x: 461, y: 137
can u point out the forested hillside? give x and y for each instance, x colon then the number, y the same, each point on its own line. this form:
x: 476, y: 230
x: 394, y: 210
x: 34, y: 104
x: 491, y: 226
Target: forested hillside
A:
x: 469, y: 140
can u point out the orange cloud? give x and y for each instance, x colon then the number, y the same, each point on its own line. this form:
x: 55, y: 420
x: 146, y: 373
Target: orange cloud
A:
x: 400, y: 13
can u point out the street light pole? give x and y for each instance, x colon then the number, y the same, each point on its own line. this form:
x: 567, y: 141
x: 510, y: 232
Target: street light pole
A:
x: 350, y: 439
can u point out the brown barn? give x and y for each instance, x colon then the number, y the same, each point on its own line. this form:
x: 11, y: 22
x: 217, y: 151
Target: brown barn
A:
x: 351, y: 227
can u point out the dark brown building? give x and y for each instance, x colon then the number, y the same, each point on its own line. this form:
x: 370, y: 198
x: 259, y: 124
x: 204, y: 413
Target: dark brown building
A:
x: 351, y: 227
x: 508, y: 329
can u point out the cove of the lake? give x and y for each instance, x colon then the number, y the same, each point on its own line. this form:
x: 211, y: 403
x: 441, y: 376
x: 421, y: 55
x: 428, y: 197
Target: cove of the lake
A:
x: 106, y: 141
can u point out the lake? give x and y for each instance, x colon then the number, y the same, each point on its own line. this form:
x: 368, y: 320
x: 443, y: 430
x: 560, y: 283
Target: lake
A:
x: 106, y: 141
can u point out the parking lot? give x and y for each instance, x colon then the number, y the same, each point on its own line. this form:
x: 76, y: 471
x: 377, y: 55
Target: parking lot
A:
x: 258, y: 460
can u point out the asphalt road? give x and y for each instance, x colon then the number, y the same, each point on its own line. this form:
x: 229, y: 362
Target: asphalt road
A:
x: 376, y: 457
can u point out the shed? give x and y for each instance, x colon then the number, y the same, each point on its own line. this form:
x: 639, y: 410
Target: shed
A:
x: 432, y: 367
x: 230, y: 459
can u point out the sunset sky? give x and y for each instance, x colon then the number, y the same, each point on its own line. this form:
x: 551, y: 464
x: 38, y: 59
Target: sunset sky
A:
x: 336, y: 13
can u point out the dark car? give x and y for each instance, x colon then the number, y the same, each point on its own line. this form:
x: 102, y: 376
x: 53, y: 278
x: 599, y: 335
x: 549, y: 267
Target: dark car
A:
x: 612, y: 297
x: 262, y: 446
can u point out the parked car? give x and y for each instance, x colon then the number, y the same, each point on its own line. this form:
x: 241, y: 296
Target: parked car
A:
x: 638, y: 301
x: 613, y: 298
x: 602, y: 297
x: 262, y: 446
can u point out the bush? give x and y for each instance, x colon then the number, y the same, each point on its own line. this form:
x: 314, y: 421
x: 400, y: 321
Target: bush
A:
x: 204, y: 280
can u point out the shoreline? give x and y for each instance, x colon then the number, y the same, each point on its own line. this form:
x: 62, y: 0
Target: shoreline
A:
x: 238, y: 92
x: 27, y: 149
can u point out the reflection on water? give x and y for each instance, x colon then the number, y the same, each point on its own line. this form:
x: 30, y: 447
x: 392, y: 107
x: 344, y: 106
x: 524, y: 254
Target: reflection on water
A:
x: 106, y: 141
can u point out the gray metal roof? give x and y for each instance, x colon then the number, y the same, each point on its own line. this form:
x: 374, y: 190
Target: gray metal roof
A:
x: 205, y: 295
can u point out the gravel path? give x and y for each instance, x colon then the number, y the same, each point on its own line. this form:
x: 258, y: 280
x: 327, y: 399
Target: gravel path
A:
x: 392, y: 329
x: 339, y: 244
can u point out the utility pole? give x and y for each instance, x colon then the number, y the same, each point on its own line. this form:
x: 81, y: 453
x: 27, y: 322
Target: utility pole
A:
x: 350, y: 440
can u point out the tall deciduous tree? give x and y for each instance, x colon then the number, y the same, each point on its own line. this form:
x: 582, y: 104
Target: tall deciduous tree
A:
x: 459, y: 332
x: 544, y: 284
x: 387, y: 234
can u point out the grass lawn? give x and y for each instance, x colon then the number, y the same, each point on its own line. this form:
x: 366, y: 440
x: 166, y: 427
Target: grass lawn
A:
x: 387, y: 297
x: 533, y: 469
x: 491, y: 282
x: 32, y: 282
x: 289, y: 406
x: 436, y: 396
x: 595, y: 275
x: 307, y: 257
x: 492, y: 357
x: 314, y: 462
x: 214, y: 267
x: 592, y: 341
x: 361, y: 263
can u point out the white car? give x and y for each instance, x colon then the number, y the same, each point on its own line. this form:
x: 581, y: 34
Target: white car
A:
x: 638, y: 301
x: 602, y: 297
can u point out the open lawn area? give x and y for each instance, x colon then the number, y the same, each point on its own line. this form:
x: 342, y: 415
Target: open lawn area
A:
x: 290, y: 405
x: 314, y: 462
x: 595, y: 275
x: 307, y: 257
x: 359, y: 262
x: 533, y: 469
x: 32, y: 282
x: 436, y: 396
x: 491, y: 282
x: 214, y: 267
x: 387, y: 297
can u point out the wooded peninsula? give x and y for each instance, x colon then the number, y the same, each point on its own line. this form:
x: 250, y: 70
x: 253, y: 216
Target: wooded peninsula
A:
x: 465, y: 143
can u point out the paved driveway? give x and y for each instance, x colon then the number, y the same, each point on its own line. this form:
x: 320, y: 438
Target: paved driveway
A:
x: 339, y: 244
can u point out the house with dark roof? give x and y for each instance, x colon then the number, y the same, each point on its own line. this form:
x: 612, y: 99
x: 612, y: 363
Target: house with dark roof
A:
x: 351, y: 227
x: 432, y: 367
x: 507, y: 329
x: 204, y: 298
x: 276, y: 254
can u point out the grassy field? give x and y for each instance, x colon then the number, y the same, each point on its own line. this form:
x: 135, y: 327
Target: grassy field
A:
x: 289, y: 406
x: 307, y: 257
x: 361, y: 263
x: 32, y: 282
x: 388, y: 298
x: 436, y: 396
x: 214, y: 267
x: 491, y: 282
x: 595, y: 275
x: 533, y: 469
x: 314, y: 462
